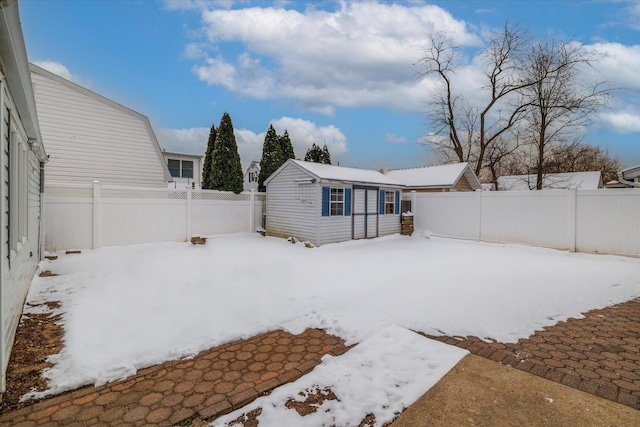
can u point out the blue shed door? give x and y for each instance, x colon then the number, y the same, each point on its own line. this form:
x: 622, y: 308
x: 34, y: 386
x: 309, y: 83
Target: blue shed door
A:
x: 364, y: 219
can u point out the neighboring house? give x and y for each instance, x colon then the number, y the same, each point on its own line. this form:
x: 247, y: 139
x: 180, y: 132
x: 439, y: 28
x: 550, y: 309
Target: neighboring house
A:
x: 630, y: 176
x: 454, y: 177
x: 185, y: 169
x: 22, y: 159
x: 251, y: 176
x: 553, y: 181
x: 325, y: 204
x: 90, y: 137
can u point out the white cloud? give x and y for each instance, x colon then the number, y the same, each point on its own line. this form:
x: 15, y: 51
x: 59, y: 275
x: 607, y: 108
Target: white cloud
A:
x: 62, y: 71
x: 622, y: 121
x: 303, y: 133
x: 395, y: 139
x: 617, y: 64
x: 361, y: 54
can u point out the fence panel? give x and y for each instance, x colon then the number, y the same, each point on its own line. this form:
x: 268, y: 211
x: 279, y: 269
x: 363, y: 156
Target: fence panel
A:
x: 448, y: 214
x: 537, y: 218
x: 81, y: 217
x: 604, y: 221
x: 608, y: 221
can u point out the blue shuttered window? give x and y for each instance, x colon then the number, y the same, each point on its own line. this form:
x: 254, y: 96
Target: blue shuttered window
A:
x: 381, y: 203
x: 336, y: 201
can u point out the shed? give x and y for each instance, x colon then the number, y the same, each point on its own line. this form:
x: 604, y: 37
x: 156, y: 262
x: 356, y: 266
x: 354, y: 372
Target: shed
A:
x: 22, y: 159
x: 326, y: 204
x: 90, y: 137
x: 453, y: 177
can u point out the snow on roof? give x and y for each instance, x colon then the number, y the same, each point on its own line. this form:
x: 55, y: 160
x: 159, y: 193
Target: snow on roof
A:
x: 340, y: 173
x: 432, y: 176
x: 582, y: 180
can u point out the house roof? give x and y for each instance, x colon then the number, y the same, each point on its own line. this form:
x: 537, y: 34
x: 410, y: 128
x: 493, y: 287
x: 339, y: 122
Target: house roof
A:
x: 16, y: 68
x: 583, y: 180
x: 169, y: 154
x: 340, y: 173
x: 74, y: 86
x: 632, y: 172
x: 436, y: 176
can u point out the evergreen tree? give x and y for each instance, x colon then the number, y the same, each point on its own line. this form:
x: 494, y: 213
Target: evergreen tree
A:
x: 325, y: 157
x: 226, y: 171
x: 313, y: 154
x: 272, y: 157
x: 318, y: 155
x: 208, y: 157
x: 286, y: 147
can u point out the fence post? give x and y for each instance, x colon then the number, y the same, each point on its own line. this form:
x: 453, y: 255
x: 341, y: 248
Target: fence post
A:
x: 252, y: 212
x: 189, y: 219
x: 572, y: 194
x: 96, y: 214
x: 479, y: 238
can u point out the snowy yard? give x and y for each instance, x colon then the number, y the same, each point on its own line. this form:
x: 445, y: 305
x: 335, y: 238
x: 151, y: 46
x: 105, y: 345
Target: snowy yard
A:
x: 125, y: 308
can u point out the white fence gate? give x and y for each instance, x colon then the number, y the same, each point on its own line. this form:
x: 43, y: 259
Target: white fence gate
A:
x: 603, y: 221
x: 91, y: 216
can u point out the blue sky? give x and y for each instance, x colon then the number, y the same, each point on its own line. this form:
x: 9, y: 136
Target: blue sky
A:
x: 338, y: 73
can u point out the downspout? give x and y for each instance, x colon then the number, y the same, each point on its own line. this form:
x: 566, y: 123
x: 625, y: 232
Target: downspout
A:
x: 624, y: 181
x: 41, y: 237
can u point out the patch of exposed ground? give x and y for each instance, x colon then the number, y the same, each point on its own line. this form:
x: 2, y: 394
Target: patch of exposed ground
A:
x: 39, y: 335
x: 312, y: 402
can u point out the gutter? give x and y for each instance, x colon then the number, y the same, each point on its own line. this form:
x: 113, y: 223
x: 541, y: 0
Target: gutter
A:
x: 624, y: 181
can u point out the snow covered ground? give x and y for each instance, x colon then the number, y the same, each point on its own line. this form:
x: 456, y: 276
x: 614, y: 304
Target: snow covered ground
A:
x: 129, y: 307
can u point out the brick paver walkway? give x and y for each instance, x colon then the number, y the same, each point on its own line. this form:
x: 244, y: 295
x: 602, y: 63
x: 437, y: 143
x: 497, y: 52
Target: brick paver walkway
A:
x: 599, y: 354
x: 212, y: 383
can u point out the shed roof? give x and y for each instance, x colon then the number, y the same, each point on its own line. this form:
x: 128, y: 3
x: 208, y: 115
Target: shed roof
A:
x: 583, y: 180
x: 436, y: 176
x: 340, y: 173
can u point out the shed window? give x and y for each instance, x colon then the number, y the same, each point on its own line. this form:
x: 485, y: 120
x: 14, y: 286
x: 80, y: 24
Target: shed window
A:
x: 389, y: 202
x: 337, y: 202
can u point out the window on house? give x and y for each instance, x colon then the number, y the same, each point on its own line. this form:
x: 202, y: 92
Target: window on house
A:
x: 180, y: 168
x: 253, y: 176
x: 174, y: 167
x: 187, y: 169
x: 389, y: 202
x: 336, y: 206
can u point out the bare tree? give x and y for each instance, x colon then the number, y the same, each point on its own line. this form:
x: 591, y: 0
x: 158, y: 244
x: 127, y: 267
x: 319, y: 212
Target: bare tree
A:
x: 578, y: 157
x: 557, y: 102
x: 465, y: 130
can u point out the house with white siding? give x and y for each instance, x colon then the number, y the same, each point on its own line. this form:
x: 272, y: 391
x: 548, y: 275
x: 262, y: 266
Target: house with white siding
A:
x: 22, y: 159
x: 90, y: 137
x: 185, y: 169
x: 251, y: 174
x: 326, y: 204
x: 442, y: 178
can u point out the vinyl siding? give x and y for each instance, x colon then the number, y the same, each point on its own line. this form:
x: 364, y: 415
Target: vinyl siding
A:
x: 335, y: 228
x: 17, y: 267
x: 89, y: 138
x: 293, y: 209
x: 463, y: 184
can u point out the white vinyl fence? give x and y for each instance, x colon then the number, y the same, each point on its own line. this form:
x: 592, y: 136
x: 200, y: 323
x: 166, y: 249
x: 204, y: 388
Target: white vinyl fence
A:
x: 92, y: 216
x: 602, y: 221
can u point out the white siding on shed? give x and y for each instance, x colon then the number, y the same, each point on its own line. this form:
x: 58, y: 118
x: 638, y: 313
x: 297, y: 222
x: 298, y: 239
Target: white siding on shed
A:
x: 293, y: 207
x: 89, y: 137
